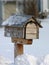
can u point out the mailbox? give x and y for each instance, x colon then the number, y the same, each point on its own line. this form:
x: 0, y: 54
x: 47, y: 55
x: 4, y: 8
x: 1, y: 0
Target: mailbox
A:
x: 22, y: 26
x: 22, y: 29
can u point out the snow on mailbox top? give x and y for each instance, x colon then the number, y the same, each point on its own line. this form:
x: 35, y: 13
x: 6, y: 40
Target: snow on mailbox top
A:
x: 19, y: 20
x: 16, y: 20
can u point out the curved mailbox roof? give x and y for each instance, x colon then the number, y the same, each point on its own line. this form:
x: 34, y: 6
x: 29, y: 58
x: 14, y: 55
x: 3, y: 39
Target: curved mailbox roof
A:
x: 18, y: 20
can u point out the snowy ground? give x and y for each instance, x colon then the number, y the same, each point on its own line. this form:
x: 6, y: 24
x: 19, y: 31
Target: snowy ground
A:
x: 26, y: 59
x: 6, y: 46
x: 38, y: 51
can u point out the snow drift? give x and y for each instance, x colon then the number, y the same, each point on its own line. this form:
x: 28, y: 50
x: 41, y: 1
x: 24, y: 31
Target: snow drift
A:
x: 31, y: 60
x: 46, y: 60
x: 25, y: 59
x: 4, y: 61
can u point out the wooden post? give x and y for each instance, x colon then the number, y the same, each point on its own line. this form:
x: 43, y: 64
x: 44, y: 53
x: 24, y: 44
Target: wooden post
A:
x: 18, y: 49
x: 18, y: 45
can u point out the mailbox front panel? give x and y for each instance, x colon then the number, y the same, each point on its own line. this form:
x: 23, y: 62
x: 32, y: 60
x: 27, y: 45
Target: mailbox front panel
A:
x: 14, y: 32
x: 32, y: 31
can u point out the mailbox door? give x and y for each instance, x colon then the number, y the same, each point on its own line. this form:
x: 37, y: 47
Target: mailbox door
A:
x: 32, y: 31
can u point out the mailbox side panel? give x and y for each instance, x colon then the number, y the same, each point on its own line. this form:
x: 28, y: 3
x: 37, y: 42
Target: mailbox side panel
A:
x: 32, y: 31
x: 14, y: 32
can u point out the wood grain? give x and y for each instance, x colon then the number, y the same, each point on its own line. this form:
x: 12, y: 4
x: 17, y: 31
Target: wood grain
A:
x: 22, y: 41
x: 18, y: 49
x: 32, y: 31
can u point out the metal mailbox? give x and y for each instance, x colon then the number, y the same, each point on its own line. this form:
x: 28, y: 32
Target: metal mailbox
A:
x: 22, y: 26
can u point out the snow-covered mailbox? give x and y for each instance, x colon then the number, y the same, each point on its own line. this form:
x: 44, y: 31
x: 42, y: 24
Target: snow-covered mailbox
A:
x: 22, y: 29
x: 22, y: 26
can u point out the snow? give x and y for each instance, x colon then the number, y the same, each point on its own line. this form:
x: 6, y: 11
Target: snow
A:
x: 16, y: 20
x: 4, y: 61
x: 6, y: 46
x: 25, y: 59
x: 45, y: 60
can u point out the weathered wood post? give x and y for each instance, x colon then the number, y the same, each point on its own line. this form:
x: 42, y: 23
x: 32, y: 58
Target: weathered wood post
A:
x: 18, y: 49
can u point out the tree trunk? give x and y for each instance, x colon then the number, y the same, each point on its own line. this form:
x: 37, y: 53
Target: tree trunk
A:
x: 30, y: 7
